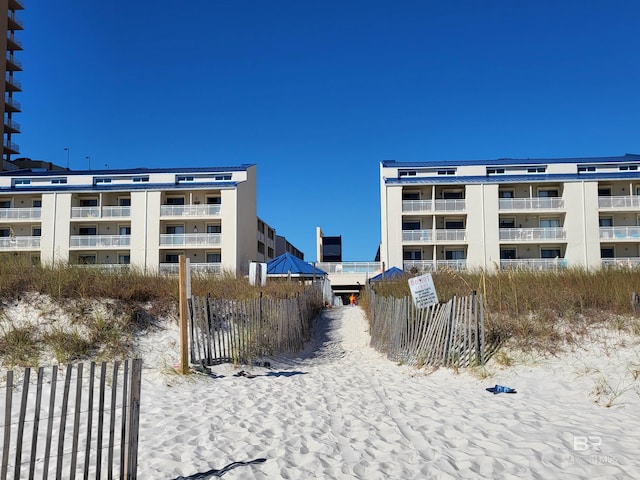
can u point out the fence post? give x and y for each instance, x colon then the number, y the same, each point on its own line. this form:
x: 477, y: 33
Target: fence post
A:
x: 134, y: 420
x: 184, y: 340
x: 477, y: 319
x: 449, y: 331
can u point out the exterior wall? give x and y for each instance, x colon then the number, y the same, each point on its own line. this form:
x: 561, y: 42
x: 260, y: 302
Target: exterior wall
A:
x: 483, y: 249
x: 393, y: 234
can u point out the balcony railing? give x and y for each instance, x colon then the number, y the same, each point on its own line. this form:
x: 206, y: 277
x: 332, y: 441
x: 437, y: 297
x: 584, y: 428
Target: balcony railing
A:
x: 14, y: 18
x: 20, y: 213
x: 15, y: 83
x: 190, y: 210
x: 533, y: 264
x: 100, y: 212
x: 13, y: 104
x: 19, y: 243
x: 442, y: 235
x: 204, y: 268
x: 533, y: 234
x: 421, y: 266
x: 190, y: 239
x: 619, y: 233
x: 349, y: 267
x: 455, y: 205
x: 14, y: 61
x: 12, y: 125
x: 622, y: 262
x: 95, y: 241
x: 106, y: 267
x: 624, y: 201
x: 417, y: 206
x: 541, y: 203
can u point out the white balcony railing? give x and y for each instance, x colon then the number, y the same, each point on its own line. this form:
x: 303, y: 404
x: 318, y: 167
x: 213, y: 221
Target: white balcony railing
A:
x: 624, y: 201
x: 453, y: 235
x: 422, y: 266
x: 417, y: 235
x: 19, y: 243
x: 100, y: 212
x: 442, y: 235
x: 20, y: 213
x: 190, y: 239
x: 190, y: 210
x: 622, y: 262
x: 533, y: 234
x: 86, y: 241
x: 417, y: 206
x: 620, y: 233
x: 456, y: 205
x: 106, y: 267
x: 204, y: 268
x: 533, y: 264
x: 349, y: 267
x: 538, y: 203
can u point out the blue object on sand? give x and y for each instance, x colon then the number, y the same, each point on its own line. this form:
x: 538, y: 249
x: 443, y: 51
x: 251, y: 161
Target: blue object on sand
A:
x: 500, y: 389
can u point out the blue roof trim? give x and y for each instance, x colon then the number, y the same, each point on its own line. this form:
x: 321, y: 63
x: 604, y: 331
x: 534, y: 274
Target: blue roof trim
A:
x: 629, y: 157
x: 530, y: 178
x: 131, y: 171
x: 119, y: 187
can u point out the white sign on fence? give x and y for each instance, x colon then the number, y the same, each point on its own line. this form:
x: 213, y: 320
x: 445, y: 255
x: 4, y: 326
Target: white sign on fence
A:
x: 423, y: 290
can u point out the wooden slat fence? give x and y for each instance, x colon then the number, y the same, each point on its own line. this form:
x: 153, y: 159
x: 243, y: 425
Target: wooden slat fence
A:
x: 450, y: 334
x: 223, y: 331
x: 73, y: 424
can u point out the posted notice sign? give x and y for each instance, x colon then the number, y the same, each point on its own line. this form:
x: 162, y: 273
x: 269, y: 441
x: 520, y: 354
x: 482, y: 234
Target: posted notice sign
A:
x: 423, y: 291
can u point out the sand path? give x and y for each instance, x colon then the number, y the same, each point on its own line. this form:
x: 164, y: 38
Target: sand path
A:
x: 340, y: 410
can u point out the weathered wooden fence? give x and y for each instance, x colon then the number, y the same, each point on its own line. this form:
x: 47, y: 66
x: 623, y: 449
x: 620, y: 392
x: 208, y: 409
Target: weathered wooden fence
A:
x: 236, y: 331
x: 57, y: 433
x: 447, y: 334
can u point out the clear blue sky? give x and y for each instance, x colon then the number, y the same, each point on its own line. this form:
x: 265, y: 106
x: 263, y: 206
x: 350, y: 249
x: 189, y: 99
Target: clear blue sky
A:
x: 317, y: 93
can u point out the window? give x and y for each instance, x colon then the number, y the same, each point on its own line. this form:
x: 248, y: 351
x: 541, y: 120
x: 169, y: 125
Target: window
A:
x: 124, y: 259
x: 174, y: 201
x: 546, y: 193
x: 184, y: 178
x: 124, y: 201
x: 585, y: 168
x: 627, y: 167
x: 407, y: 173
x: 87, y: 230
x: 270, y: 252
x: 172, y: 258
x: 536, y: 169
x: 454, y: 255
x: 448, y: 171
x: 505, y: 194
x: 214, y: 200
x: 260, y: 247
x: 5, y: 203
x: 412, y: 255
x: 21, y: 181
x: 36, y: 232
x: 507, y: 253
x: 604, y: 191
x: 452, y: 194
x: 5, y: 232
x: 550, y: 253
x: 507, y: 223
x: 86, y: 259
x: 549, y: 222
x: 58, y: 181
x: 101, y: 180
x: 140, y: 179
x: 214, y: 228
x: 222, y: 177
x: 410, y: 195
x: 214, y: 258
x: 36, y: 203
x: 270, y: 234
x: 607, y: 252
x: 175, y: 229
x: 124, y: 230
x: 606, y: 221
x: 88, y: 202
x: 494, y: 171
x: 454, y: 224
x: 411, y: 225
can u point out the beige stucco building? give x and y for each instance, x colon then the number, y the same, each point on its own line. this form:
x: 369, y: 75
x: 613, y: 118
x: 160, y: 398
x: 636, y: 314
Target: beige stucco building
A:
x: 145, y: 218
x: 511, y: 213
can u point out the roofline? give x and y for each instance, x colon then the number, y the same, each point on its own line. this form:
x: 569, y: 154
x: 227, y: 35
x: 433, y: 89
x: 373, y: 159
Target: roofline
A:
x: 530, y: 178
x: 628, y: 157
x: 127, y: 171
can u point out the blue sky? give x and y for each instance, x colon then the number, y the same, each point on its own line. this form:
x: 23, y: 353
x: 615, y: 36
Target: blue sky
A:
x: 317, y: 93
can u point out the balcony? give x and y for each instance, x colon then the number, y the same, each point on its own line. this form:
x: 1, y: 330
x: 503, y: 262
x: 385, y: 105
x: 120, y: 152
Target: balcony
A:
x: 620, y: 233
x: 15, y: 5
x: 190, y: 210
x: 19, y: 243
x: 528, y: 204
x: 11, y: 105
x: 11, y: 147
x: 416, y: 236
x: 619, y: 202
x: 426, y: 206
x: 532, y: 234
x: 202, y: 268
x: 20, y: 213
x: 349, y: 267
x: 533, y: 264
x: 106, y: 267
x: 622, y: 262
x: 11, y: 84
x: 99, y: 241
x: 441, y: 235
x: 13, y: 43
x: 101, y: 212
x: 13, y: 64
x: 14, y: 22
x: 190, y: 239
x: 423, y: 266
x: 11, y: 126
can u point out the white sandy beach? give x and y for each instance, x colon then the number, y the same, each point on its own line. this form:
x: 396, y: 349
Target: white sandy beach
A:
x: 340, y: 410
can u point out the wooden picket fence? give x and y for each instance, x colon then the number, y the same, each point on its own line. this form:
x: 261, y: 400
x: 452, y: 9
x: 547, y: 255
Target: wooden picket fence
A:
x: 225, y: 331
x: 91, y: 433
x: 448, y: 334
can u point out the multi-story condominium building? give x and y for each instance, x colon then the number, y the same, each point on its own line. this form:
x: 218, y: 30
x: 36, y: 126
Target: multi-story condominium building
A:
x: 511, y: 213
x: 284, y: 246
x: 9, y: 43
x: 141, y: 217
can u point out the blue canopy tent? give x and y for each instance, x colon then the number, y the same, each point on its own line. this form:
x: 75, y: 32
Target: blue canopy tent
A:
x: 286, y: 265
x: 393, y: 273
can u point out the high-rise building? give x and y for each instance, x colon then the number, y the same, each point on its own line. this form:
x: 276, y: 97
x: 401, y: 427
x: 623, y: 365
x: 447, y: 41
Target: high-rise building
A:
x: 10, y: 23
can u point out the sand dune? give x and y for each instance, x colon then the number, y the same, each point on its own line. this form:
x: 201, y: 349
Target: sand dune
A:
x: 341, y: 410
